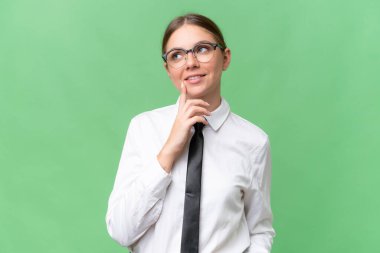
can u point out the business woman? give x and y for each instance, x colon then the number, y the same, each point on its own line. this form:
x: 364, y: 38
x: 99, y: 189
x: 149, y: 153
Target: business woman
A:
x: 193, y: 176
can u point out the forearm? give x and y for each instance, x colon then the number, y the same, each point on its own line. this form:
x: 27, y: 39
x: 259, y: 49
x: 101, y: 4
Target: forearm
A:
x: 261, y: 243
x: 258, y: 210
x: 136, y: 206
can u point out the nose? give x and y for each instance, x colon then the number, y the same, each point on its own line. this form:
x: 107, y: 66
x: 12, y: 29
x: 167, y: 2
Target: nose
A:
x: 191, y: 60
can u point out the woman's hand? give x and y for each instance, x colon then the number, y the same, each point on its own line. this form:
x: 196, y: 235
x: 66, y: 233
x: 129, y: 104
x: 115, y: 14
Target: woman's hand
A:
x: 190, y: 111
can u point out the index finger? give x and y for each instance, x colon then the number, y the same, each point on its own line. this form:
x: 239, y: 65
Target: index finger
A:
x: 182, y: 98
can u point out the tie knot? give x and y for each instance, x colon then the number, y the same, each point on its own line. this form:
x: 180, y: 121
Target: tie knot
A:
x: 198, y: 126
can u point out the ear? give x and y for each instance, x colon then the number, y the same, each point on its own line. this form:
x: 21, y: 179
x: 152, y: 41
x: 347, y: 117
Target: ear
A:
x: 226, y: 58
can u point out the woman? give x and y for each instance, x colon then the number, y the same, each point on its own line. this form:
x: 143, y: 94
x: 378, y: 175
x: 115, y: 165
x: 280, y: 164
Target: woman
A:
x: 148, y: 209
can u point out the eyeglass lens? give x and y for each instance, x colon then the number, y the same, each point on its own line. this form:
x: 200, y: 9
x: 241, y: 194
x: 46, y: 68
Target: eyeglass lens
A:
x: 202, y: 52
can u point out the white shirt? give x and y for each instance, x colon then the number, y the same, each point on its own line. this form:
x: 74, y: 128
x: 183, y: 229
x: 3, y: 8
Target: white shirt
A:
x: 145, y: 208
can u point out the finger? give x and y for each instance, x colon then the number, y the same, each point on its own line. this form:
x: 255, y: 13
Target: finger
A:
x: 200, y: 119
x: 195, y: 102
x: 182, y: 98
x: 197, y: 110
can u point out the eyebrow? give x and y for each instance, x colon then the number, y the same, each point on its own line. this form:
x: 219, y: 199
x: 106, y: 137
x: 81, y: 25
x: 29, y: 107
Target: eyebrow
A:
x: 199, y: 42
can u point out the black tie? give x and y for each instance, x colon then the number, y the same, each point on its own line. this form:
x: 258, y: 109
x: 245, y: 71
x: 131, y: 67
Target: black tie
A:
x: 190, y: 228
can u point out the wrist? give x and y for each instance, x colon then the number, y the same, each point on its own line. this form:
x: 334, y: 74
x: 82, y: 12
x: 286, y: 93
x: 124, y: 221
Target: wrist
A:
x: 166, y: 160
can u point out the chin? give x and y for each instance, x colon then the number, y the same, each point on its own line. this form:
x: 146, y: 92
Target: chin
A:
x: 194, y: 96
x: 195, y: 93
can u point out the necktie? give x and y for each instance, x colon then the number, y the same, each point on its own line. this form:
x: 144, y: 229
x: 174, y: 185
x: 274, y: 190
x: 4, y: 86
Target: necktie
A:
x: 190, y: 227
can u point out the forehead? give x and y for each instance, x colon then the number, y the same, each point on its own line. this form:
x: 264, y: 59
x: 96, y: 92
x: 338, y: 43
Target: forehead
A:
x: 188, y: 35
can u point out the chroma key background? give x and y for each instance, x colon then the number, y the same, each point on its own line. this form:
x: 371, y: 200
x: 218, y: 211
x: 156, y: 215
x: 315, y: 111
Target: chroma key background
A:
x: 73, y: 74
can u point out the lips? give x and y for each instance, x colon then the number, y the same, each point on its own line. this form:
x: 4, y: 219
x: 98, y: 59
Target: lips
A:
x: 194, y: 77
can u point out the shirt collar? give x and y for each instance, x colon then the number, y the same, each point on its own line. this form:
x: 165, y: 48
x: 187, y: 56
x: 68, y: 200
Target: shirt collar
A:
x: 218, y: 116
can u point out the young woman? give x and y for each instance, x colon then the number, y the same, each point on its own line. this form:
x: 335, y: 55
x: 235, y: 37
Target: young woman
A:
x: 147, y: 209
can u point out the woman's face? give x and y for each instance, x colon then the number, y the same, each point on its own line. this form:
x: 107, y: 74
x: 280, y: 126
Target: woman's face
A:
x: 202, y: 79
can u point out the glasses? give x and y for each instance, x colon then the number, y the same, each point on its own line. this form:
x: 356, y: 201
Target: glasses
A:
x: 203, y: 52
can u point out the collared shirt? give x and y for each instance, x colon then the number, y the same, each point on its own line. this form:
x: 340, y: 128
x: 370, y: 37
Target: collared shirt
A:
x: 145, y: 209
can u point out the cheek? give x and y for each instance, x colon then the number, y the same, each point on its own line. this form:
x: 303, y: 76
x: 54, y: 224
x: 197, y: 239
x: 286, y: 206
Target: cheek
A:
x: 172, y: 74
x: 217, y: 70
x: 218, y: 66
x: 175, y: 78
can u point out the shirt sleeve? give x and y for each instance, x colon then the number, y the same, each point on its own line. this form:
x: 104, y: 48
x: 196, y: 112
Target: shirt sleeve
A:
x: 257, y: 201
x: 140, y: 187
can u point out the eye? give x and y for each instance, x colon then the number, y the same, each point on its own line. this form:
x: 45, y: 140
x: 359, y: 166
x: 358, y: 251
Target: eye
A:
x: 203, y: 49
x: 176, y: 55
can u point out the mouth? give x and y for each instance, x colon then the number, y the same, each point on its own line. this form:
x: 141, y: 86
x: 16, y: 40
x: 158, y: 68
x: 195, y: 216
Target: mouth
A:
x: 194, y: 78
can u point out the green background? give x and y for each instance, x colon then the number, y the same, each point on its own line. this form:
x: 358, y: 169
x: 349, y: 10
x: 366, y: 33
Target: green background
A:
x: 73, y: 73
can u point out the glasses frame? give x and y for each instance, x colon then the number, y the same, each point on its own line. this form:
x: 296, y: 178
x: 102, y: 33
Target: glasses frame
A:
x: 187, y: 51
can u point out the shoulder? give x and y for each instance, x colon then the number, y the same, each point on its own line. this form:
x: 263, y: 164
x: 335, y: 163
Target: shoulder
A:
x: 154, y: 117
x: 248, y: 132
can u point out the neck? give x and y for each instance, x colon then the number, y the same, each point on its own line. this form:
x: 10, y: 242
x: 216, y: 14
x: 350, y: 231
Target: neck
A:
x: 214, y: 102
x: 213, y: 98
